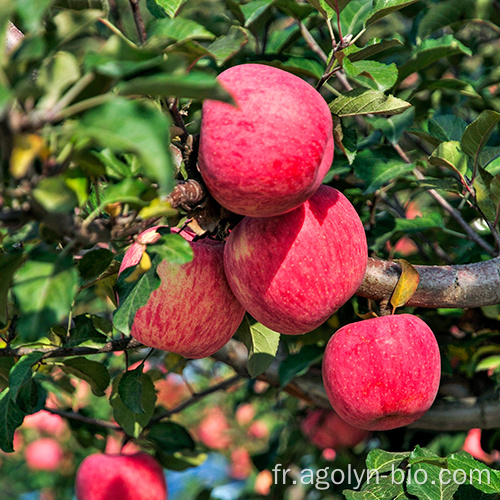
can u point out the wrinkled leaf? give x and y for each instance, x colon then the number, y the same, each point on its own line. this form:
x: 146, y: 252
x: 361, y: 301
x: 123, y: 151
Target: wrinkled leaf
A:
x: 406, y: 286
x: 364, y: 101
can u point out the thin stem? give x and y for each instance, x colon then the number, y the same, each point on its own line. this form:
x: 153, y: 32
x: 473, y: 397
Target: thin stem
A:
x: 59, y: 352
x: 139, y: 21
x: 337, y: 11
x: 197, y: 397
x: 311, y: 41
x: 82, y: 418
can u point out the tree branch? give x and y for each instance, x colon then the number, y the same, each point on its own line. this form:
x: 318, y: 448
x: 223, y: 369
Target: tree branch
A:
x: 14, y: 36
x: 444, y: 415
x: 59, y: 352
x: 461, y: 286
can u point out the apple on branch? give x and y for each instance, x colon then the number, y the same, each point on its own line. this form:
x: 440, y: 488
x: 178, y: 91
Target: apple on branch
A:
x: 119, y: 477
x: 269, y: 153
x: 293, y: 271
x: 382, y: 373
x: 193, y: 312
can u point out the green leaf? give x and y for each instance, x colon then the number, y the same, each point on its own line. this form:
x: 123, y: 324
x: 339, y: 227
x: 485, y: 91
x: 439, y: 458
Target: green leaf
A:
x: 169, y: 7
x: 296, y: 365
x: 364, y: 101
x: 126, y: 191
x: 180, y: 28
x: 31, y: 12
x: 133, y: 126
x: 56, y: 76
x: 131, y: 422
x: 384, y: 461
x: 130, y: 389
x: 93, y: 372
x: 31, y: 397
x: 181, y: 460
x: 262, y: 344
x: 388, y: 487
x: 9, y: 264
x: 449, y: 155
x: 393, y: 127
x: 373, y: 47
x: 430, y: 51
x: 443, y: 14
x: 134, y: 295
x: 22, y: 372
x: 478, y: 475
x: 418, y: 224
x: 454, y: 85
x: 44, y: 288
x: 327, y: 7
x: 94, y: 263
x: 345, y: 139
x: 195, y: 85
x: 85, y: 332
x: 226, y: 46
x: 256, y: 12
x: 425, y: 481
x: 171, y: 437
x: 377, y: 168
x: 382, y: 8
x: 476, y: 135
x: 173, y: 248
x: 447, y: 127
x: 54, y: 195
x: 372, y: 74
x: 11, y: 417
x: 481, y: 184
x: 354, y: 16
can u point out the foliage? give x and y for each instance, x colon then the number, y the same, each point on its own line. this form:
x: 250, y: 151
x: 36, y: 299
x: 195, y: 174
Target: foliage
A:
x: 97, y: 129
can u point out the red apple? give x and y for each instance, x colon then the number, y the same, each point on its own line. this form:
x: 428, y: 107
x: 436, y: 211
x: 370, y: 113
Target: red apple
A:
x: 325, y: 429
x: 241, y: 464
x: 258, y: 430
x: 472, y: 445
x: 120, y: 477
x: 43, y: 454
x: 382, y: 373
x: 193, y: 312
x: 268, y: 154
x: 46, y: 422
x: 293, y: 271
x: 214, y: 430
x: 245, y: 414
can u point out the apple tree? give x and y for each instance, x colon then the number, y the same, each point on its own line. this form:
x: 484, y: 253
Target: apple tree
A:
x: 102, y: 109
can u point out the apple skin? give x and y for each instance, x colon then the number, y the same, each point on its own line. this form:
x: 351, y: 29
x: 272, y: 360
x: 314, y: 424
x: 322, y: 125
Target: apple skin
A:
x: 120, y: 477
x: 382, y: 373
x: 43, y: 454
x: 193, y: 312
x: 270, y: 153
x: 293, y: 271
x: 325, y: 429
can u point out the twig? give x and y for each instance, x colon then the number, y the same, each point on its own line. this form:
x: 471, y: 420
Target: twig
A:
x: 139, y: 21
x: 197, y: 397
x: 82, y: 418
x: 59, y: 352
x: 311, y: 41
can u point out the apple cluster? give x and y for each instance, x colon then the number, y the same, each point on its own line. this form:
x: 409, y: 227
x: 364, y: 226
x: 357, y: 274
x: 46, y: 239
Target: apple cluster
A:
x: 297, y: 255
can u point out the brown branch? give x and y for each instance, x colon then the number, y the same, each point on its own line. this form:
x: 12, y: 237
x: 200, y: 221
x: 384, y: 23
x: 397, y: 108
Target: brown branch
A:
x: 59, y: 352
x: 461, y: 286
x: 84, y: 419
x: 444, y: 415
x: 139, y: 21
x: 197, y: 396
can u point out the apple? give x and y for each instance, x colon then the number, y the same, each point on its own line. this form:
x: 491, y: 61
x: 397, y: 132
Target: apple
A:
x: 244, y: 414
x: 241, y: 464
x: 43, y: 454
x: 258, y: 430
x: 269, y: 153
x: 120, y: 477
x: 293, y: 271
x: 263, y: 482
x: 193, y: 312
x: 325, y: 429
x: 214, y: 430
x: 382, y: 373
x: 46, y: 422
x: 472, y: 445
x: 171, y: 391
